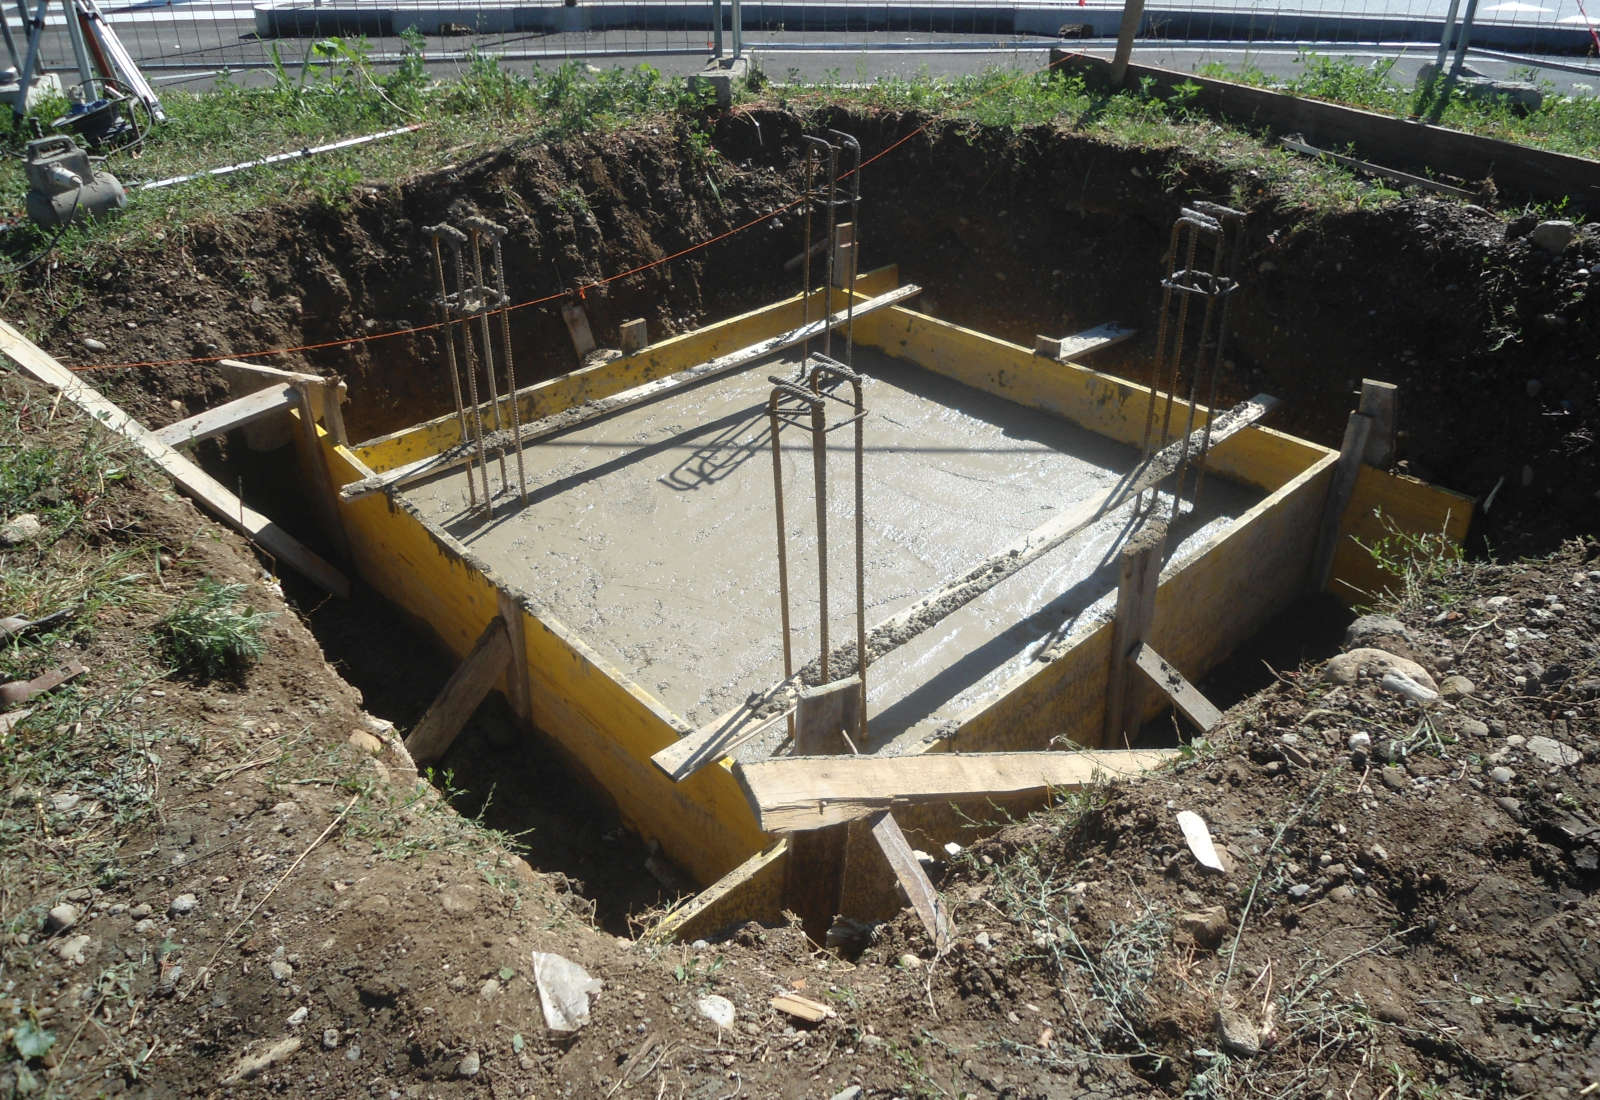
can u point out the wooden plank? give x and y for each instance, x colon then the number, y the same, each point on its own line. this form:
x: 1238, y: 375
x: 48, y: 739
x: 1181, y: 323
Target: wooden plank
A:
x: 813, y: 879
x: 570, y: 419
x: 793, y: 794
x: 1381, y: 504
x: 739, y: 895
x: 578, y: 328
x: 1184, y: 695
x: 1356, y: 431
x: 635, y: 336
x: 912, y: 878
x: 196, y: 482
x: 269, y: 374
x: 225, y: 417
x: 1138, y: 576
x: 461, y: 694
x: 1367, y: 168
x: 322, y: 490
x: 719, y: 737
x: 1079, y: 344
x: 1381, y: 402
x: 519, y: 689
x: 844, y: 254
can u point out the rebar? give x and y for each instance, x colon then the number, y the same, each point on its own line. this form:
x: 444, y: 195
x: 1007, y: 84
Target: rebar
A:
x: 782, y: 388
x: 496, y: 233
x: 482, y: 302
x: 456, y: 240
x: 826, y: 368
x: 435, y: 232
x: 849, y: 143
x: 812, y: 145
x: 1234, y: 220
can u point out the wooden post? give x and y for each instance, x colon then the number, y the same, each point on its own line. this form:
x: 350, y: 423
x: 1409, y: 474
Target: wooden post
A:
x: 1136, y: 607
x: 578, y: 328
x: 519, y: 686
x: 324, y: 494
x: 461, y: 694
x: 813, y: 880
x: 1132, y: 16
x: 635, y: 335
x: 1380, y: 401
x: 1356, y: 432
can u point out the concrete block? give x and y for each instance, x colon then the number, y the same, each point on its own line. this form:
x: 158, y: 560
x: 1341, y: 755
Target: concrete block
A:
x: 719, y: 75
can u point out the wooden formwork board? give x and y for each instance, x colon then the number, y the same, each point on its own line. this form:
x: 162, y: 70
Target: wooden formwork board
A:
x: 604, y: 723
x: 608, y: 379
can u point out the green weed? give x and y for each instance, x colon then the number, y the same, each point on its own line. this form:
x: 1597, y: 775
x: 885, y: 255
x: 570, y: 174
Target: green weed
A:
x: 212, y: 633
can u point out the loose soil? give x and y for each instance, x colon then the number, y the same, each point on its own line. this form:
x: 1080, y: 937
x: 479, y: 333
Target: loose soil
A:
x: 1395, y: 919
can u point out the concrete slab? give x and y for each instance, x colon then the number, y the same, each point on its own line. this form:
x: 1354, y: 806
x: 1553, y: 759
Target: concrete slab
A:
x: 652, y: 536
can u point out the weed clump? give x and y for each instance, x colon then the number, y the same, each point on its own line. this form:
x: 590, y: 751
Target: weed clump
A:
x: 212, y: 633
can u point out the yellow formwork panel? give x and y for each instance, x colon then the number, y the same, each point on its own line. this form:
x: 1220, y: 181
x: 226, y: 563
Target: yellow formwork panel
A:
x: 1102, y: 403
x: 1382, y: 504
x: 605, y: 723
x: 607, y: 379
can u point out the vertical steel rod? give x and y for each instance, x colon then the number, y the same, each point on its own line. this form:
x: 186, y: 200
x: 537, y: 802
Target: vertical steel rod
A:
x: 496, y: 233
x: 783, y: 539
x: 482, y: 307
x: 436, y: 231
x: 854, y: 147
x: 456, y: 239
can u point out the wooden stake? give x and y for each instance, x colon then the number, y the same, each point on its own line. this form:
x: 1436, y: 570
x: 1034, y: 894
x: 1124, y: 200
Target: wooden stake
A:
x: 1381, y: 402
x: 813, y: 881
x: 1136, y: 607
x: 578, y: 328
x: 324, y: 493
x: 461, y: 694
x: 1356, y: 432
x: 1190, y: 703
x: 635, y: 336
x: 844, y: 251
x: 196, y: 482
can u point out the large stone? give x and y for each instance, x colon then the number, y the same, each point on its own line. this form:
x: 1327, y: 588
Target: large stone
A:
x: 1346, y: 668
x: 719, y: 75
x: 1553, y: 752
x: 1364, y: 630
x: 20, y: 529
x: 1238, y: 1033
x: 1553, y: 236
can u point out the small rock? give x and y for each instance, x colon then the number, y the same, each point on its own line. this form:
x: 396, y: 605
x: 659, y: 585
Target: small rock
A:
x: 298, y: 1016
x: 92, y: 344
x: 1395, y: 779
x: 1361, y: 632
x: 1341, y: 894
x: 366, y: 742
x: 851, y: 1093
x: 62, y: 917
x: 140, y: 911
x: 1547, y: 749
x: 1346, y: 667
x: 488, y: 989
x: 353, y: 1052
x: 71, y: 950
x: 1471, y: 727
x: 1299, y: 891
x: 470, y: 1064
x: 281, y: 970
x: 145, y: 927
x: 1553, y: 236
x: 982, y: 940
x: 1516, y: 741
x: 908, y: 961
x: 20, y: 529
x: 1512, y: 806
x: 1205, y: 926
x: 1455, y: 687
x: 183, y: 903
x: 330, y: 1038
x: 1361, y: 743
x: 1502, y: 775
x: 458, y: 900
x: 1378, y: 852
x: 1238, y: 1034
x: 719, y: 1010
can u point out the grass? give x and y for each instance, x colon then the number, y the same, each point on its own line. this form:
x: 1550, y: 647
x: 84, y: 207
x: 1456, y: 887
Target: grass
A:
x: 212, y: 633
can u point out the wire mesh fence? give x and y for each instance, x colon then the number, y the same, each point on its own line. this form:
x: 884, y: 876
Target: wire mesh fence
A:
x: 171, y: 38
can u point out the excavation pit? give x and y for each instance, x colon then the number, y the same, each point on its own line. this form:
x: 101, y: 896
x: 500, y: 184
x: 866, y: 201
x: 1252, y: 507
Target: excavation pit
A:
x: 629, y: 609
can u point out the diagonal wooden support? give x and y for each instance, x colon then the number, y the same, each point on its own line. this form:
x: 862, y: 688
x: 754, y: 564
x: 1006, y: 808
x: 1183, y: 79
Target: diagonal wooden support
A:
x: 204, y: 488
x: 813, y: 881
x: 1184, y: 695
x: 719, y: 737
x: 461, y: 694
x: 912, y: 878
x: 228, y: 416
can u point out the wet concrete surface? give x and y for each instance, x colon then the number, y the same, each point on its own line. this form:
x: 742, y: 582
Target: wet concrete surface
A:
x: 651, y: 535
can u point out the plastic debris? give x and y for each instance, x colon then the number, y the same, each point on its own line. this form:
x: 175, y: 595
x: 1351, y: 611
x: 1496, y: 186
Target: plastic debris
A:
x: 1198, y: 837
x: 564, y: 989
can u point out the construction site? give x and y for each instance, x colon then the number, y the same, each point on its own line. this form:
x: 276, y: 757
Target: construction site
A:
x: 756, y: 549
